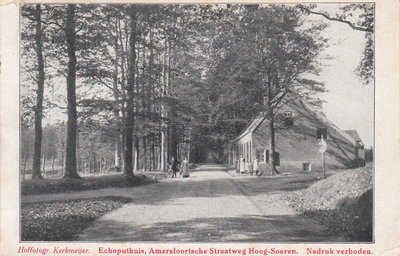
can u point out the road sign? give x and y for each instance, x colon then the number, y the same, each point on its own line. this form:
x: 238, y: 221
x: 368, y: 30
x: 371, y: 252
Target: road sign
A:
x: 322, y: 146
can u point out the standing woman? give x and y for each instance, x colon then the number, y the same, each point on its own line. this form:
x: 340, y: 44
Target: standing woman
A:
x: 242, y: 164
x: 237, y: 163
x: 185, y: 168
x: 255, y: 166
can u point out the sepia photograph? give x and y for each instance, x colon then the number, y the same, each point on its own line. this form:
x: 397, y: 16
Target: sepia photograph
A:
x: 216, y: 123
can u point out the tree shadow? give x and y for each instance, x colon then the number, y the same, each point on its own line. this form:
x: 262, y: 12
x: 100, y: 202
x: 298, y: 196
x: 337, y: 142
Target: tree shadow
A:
x: 265, y: 185
x: 198, y: 185
x: 255, y: 228
x: 193, y: 187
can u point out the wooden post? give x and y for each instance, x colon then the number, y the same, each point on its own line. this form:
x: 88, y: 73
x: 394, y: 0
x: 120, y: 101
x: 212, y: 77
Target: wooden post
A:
x: 323, y: 164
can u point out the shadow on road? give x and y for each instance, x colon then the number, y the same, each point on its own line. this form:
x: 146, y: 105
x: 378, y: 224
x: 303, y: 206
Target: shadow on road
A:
x: 262, y: 185
x: 199, y: 187
x: 201, y: 209
x: 204, y: 179
x: 238, y: 229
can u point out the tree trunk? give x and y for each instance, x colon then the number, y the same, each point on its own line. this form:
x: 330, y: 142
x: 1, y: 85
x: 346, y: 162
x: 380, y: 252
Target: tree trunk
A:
x: 117, y: 148
x: 117, y: 152
x: 62, y: 159
x: 173, y: 133
x: 137, y: 154
x: 52, y: 165
x: 25, y: 160
x: 189, y: 143
x: 44, y: 165
x: 145, y: 153
x: 94, y: 165
x: 123, y: 94
x: 128, y: 166
x: 23, y: 170
x: 272, y: 165
x: 39, y: 97
x: 172, y: 136
x: 153, y: 157
x: 162, y: 151
x: 268, y: 110
x: 164, y: 127
x: 70, y: 160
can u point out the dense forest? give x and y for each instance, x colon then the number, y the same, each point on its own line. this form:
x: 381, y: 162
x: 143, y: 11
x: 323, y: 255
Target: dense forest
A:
x: 123, y: 88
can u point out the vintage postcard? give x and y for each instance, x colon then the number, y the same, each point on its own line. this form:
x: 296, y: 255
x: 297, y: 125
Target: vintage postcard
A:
x: 199, y: 128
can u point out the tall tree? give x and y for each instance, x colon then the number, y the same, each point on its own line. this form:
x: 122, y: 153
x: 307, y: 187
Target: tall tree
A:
x: 279, y: 52
x: 70, y: 160
x: 130, y: 116
x: 282, y: 52
x: 37, y: 149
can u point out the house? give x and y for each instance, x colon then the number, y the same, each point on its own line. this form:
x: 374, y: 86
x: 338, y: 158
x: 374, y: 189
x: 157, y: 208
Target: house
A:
x: 298, y: 130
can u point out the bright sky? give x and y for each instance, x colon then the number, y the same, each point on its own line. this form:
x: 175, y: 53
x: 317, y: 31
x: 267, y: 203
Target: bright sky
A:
x: 349, y: 103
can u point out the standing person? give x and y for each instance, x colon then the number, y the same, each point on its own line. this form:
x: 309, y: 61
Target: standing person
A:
x: 175, y: 166
x: 237, y: 165
x: 246, y: 167
x: 255, y: 166
x: 185, y: 168
x: 242, y: 164
x: 251, y: 168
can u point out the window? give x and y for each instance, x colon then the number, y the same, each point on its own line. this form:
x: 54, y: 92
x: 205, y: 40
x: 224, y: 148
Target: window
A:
x: 266, y: 154
x: 306, y: 166
x: 288, y: 120
x: 322, y: 132
x: 288, y: 114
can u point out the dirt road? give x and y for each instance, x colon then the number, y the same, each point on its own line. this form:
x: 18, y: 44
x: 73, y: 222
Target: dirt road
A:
x: 213, y: 205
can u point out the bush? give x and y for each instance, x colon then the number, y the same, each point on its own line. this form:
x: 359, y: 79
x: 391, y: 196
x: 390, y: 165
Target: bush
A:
x: 358, y: 162
x: 341, y: 202
x: 352, y: 219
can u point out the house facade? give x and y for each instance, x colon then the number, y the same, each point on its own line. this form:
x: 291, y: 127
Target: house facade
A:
x: 298, y: 131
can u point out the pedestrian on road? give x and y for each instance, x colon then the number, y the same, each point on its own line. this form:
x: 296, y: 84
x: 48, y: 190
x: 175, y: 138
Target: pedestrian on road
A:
x: 242, y: 164
x: 237, y: 165
x: 185, y: 168
x: 255, y: 166
x: 175, y: 167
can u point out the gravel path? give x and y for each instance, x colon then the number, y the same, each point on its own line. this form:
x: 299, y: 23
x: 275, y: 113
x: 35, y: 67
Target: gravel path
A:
x: 211, y: 206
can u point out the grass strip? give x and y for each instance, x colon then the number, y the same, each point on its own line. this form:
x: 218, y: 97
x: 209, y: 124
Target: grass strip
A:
x: 64, y: 220
x: 48, y: 186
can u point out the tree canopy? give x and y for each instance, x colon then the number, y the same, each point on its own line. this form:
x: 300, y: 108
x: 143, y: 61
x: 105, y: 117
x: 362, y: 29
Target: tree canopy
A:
x: 149, y: 82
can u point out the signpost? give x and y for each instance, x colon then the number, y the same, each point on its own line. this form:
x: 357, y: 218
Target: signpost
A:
x: 322, y: 149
